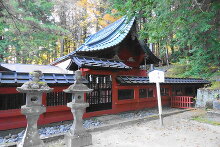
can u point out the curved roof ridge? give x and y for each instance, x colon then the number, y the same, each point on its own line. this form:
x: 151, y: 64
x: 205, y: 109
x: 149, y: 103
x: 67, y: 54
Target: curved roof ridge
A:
x: 98, y: 40
x: 107, y: 37
x: 115, y: 38
x: 108, y: 30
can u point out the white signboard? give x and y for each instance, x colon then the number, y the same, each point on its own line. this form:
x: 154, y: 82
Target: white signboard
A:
x: 156, y: 76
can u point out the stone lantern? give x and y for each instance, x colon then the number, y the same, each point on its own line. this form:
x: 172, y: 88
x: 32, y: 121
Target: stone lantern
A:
x: 33, y: 108
x: 77, y: 136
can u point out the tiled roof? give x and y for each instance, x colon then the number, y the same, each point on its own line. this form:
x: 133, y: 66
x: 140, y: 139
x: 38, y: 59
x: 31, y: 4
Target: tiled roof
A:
x: 27, y: 68
x: 89, y: 62
x: 108, y: 37
x: 145, y: 80
x: 50, y: 78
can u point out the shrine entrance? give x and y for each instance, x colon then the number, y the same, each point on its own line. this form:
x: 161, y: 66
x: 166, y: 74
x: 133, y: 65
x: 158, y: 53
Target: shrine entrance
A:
x: 101, y: 96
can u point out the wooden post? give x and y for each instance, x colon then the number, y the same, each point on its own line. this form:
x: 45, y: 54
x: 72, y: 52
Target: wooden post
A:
x: 159, y: 103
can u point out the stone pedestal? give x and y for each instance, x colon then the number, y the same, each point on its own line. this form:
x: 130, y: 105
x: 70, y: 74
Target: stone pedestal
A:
x: 31, y: 137
x: 33, y: 109
x: 77, y: 136
x: 78, y: 141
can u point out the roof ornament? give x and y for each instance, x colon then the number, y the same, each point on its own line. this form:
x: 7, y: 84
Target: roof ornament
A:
x: 131, y: 59
x: 116, y: 57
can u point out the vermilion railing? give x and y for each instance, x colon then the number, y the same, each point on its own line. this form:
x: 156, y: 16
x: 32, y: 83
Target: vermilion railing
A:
x: 182, y: 101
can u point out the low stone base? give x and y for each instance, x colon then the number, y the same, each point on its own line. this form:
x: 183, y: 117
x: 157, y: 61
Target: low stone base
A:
x: 216, y: 105
x: 214, y: 115
x: 78, y: 141
x: 21, y: 144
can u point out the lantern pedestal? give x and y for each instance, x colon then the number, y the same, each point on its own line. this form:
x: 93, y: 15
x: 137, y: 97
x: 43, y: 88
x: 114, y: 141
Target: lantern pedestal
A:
x: 77, y: 136
x: 31, y: 137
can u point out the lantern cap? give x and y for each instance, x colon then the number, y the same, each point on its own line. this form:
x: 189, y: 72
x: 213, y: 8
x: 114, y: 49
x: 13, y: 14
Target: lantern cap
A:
x: 78, y: 85
x: 35, y: 85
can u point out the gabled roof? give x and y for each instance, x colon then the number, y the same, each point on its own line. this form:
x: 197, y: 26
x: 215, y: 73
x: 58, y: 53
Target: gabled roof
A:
x: 27, y: 68
x: 89, y: 62
x: 50, y: 78
x: 108, y: 37
x: 145, y: 80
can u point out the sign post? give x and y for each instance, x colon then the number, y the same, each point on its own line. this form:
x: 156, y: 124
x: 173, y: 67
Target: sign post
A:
x: 157, y: 76
x: 159, y: 103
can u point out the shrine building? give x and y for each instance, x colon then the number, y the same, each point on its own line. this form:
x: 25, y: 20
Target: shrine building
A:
x: 111, y: 62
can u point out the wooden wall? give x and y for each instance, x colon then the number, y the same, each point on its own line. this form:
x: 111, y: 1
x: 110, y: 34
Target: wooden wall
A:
x: 13, y: 118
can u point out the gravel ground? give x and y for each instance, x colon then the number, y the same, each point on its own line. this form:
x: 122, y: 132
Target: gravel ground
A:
x: 47, y: 131
x: 178, y: 131
x: 88, y: 123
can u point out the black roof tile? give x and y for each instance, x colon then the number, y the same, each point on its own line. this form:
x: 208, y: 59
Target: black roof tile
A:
x: 50, y: 78
x: 145, y: 80
x: 90, y: 62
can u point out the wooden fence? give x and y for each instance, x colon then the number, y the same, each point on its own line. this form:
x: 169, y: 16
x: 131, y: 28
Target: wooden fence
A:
x: 182, y: 101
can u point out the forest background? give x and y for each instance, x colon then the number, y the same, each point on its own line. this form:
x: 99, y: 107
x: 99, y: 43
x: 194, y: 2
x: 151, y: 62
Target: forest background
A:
x: 185, y: 33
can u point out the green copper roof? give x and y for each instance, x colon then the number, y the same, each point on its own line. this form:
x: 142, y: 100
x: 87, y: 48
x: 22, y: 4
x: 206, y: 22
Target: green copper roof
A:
x: 109, y: 36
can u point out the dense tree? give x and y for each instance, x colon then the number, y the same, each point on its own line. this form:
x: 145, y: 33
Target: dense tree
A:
x: 81, y: 18
x: 183, y: 32
x: 188, y: 29
x: 40, y: 31
x: 29, y: 31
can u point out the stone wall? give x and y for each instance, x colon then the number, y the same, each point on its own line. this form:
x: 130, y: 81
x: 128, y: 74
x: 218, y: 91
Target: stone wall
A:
x: 205, y: 96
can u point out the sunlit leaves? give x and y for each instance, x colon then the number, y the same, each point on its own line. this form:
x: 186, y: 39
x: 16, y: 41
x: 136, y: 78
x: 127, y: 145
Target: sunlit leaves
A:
x: 185, y: 25
x: 29, y: 32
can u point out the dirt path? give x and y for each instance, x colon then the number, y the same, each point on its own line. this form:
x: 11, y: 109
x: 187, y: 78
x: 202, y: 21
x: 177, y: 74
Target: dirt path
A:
x: 178, y: 131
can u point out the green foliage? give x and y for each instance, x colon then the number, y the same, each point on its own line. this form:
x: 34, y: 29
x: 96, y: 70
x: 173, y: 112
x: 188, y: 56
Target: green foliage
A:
x: 205, y: 120
x: 39, y: 31
x: 30, y: 33
x: 177, y: 70
x: 190, y: 27
x: 215, y: 85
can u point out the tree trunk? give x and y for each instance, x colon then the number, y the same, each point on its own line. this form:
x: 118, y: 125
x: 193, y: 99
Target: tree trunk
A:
x: 62, y: 42
x: 167, y: 57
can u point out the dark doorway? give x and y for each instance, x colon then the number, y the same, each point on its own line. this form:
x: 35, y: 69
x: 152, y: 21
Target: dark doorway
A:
x: 101, y: 96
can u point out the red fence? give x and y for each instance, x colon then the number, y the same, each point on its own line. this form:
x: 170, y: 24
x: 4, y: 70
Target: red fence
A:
x: 181, y: 101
